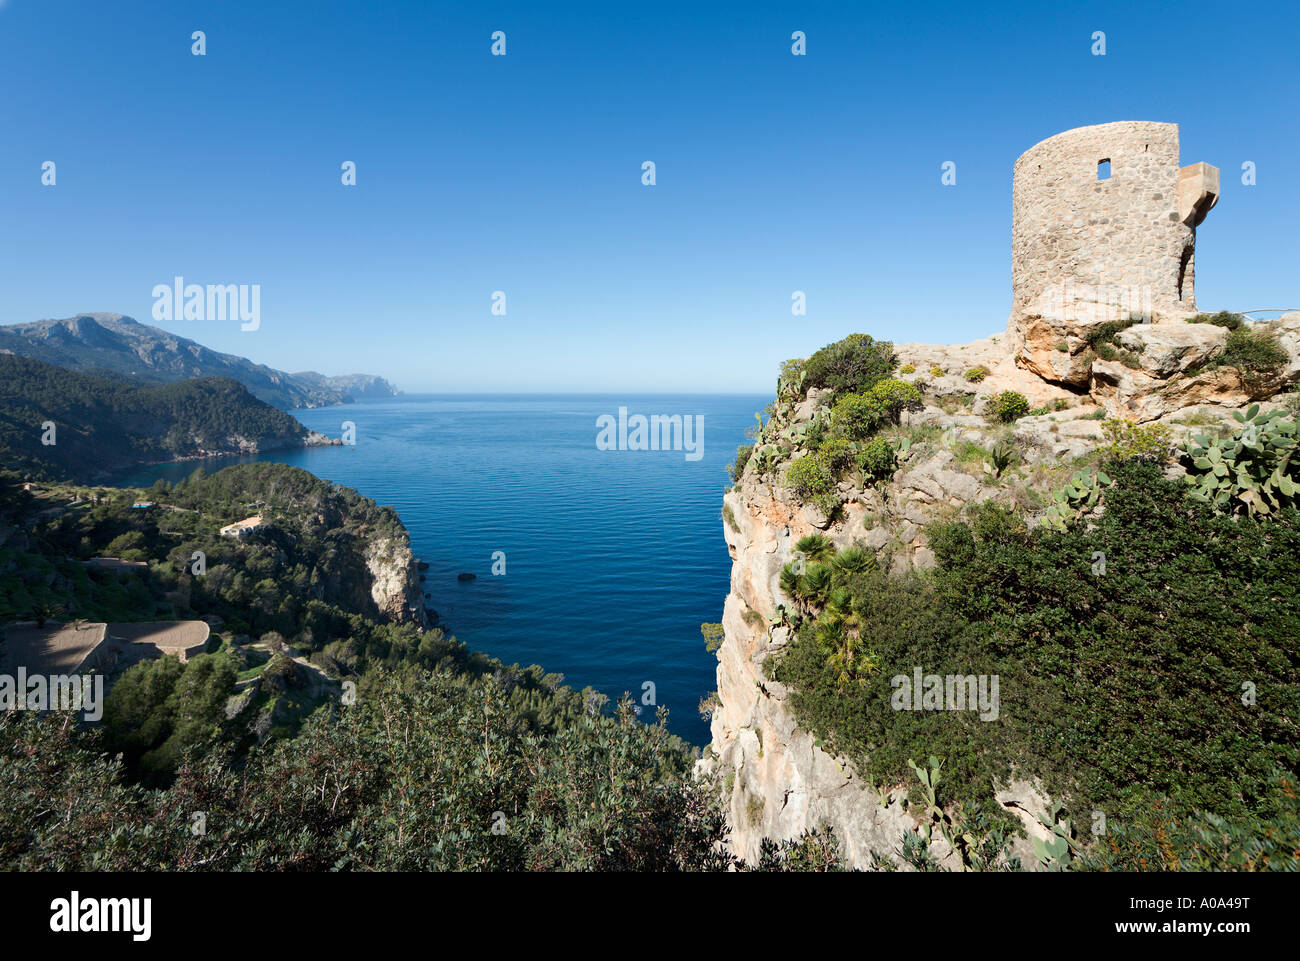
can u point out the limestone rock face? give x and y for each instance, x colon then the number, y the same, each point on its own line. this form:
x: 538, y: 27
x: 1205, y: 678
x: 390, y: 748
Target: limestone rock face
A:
x: 778, y: 781
x: 395, y: 581
x: 1171, y: 348
x: 1051, y: 340
x: 1286, y: 330
x: 1062, y: 436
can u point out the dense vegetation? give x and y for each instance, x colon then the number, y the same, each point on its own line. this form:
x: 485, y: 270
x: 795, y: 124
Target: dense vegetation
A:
x: 1170, y: 672
x: 104, y: 425
x: 425, y: 774
x: 841, y: 441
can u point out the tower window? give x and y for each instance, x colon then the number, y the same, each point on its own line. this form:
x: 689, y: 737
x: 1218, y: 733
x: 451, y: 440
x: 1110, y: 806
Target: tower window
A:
x: 1103, y: 169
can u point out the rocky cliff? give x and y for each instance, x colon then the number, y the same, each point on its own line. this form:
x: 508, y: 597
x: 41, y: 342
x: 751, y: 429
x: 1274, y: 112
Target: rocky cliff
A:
x: 776, y: 779
x: 395, y: 580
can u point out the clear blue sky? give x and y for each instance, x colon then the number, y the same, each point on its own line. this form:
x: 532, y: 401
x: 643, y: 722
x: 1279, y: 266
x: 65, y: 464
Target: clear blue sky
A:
x: 523, y: 173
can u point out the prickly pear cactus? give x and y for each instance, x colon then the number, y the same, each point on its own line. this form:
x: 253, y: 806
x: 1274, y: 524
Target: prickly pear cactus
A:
x: 1257, y: 470
x: 1081, y: 496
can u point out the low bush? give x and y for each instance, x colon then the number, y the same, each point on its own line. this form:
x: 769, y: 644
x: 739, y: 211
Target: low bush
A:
x: 976, y: 374
x: 1010, y: 406
x: 877, y: 460
x: 837, y: 454
x: 1127, y: 441
x: 855, y: 363
x: 811, y: 480
x: 1252, y: 353
x: 857, y: 416
x: 1223, y: 318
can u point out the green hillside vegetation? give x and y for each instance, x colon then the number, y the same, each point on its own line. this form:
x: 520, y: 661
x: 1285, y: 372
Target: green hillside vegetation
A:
x: 1160, y: 688
x: 439, y: 758
x: 104, y: 425
x: 426, y: 774
x: 302, y: 580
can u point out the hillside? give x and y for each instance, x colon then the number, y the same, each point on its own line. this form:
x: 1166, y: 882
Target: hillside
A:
x: 112, y: 345
x: 102, y: 426
x: 443, y: 758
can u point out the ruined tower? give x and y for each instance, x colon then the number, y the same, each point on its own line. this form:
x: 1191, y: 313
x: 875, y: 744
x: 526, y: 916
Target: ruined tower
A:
x: 1104, y: 225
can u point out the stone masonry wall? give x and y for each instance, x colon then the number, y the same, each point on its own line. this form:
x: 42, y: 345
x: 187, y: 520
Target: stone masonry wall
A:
x: 1077, y: 239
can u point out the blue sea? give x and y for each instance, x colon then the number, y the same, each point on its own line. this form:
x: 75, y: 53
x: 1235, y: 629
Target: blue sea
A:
x: 613, y: 558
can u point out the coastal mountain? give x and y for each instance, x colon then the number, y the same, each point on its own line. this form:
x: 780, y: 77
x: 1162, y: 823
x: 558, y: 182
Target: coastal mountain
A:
x: 115, y: 346
x: 351, y: 386
x: 58, y: 423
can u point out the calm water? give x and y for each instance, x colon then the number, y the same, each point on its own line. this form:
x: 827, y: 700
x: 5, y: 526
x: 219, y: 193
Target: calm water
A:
x: 613, y: 558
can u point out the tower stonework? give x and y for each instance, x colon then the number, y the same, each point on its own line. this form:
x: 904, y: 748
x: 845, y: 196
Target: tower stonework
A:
x: 1103, y: 227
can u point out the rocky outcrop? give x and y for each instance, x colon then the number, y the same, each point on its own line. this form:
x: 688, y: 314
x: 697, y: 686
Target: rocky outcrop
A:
x: 395, y: 580
x: 777, y: 781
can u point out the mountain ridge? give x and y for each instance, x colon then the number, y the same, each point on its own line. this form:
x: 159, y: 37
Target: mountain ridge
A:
x: 120, y: 347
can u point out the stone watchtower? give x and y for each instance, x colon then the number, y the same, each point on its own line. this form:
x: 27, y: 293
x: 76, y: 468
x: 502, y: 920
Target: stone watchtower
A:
x: 1103, y: 226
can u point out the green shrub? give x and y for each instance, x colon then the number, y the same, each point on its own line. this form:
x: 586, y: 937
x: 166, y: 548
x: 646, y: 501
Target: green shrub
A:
x: 937, y: 371
x: 892, y: 397
x: 1136, y: 442
x: 857, y: 416
x: 713, y: 635
x: 1252, y: 353
x: 811, y: 480
x: 1100, y: 670
x: 837, y: 454
x: 907, y: 369
x: 1223, y: 318
x: 737, y: 469
x: 855, y: 363
x: 1009, y: 406
x: 877, y: 460
x: 976, y: 374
